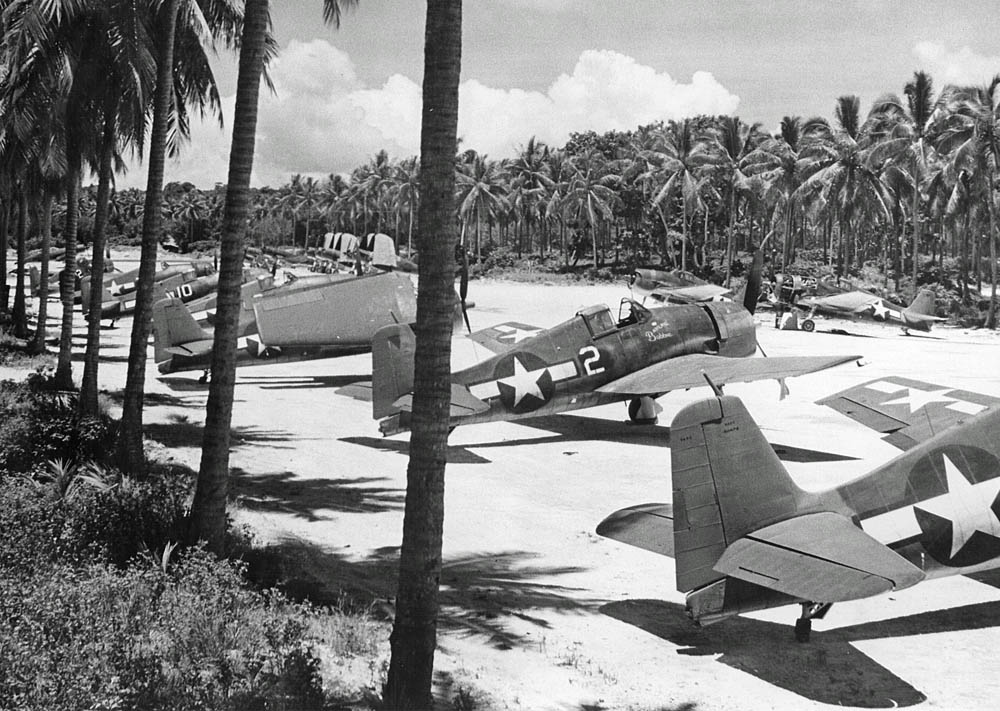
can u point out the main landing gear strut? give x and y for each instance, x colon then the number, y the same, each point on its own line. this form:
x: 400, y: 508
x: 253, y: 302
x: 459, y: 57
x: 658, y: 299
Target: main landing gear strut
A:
x: 810, y: 611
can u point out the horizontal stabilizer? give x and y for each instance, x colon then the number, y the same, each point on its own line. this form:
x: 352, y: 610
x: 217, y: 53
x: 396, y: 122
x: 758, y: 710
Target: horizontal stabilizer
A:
x: 907, y: 411
x: 689, y: 371
x: 502, y: 337
x: 463, y: 403
x: 193, y: 348
x: 818, y: 557
x: 648, y: 526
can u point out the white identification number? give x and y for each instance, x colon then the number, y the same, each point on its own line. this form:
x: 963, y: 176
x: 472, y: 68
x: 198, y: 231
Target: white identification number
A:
x: 591, y: 357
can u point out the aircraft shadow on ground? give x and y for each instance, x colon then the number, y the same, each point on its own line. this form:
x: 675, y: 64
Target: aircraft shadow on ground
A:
x: 829, y: 669
x: 284, y: 492
x: 182, y: 433
x: 567, y: 429
x: 478, y: 592
x: 300, y: 382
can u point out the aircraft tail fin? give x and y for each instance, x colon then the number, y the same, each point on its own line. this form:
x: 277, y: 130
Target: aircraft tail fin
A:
x: 173, y: 325
x: 393, y: 348
x: 727, y: 482
x: 923, y: 303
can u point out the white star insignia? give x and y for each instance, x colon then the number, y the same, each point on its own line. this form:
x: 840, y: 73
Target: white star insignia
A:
x: 917, y: 398
x: 880, y: 310
x: 524, y: 382
x: 513, y: 334
x: 968, y: 506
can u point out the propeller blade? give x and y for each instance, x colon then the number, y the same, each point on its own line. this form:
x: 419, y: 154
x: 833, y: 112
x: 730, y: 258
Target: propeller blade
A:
x: 463, y: 289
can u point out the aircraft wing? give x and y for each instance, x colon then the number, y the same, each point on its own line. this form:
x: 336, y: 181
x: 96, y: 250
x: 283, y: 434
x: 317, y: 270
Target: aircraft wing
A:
x: 907, y: 411
x: 821, y: 557
x: 502, y: 337
x: 648, y: 526
x: 689, y: 371
x: 692, y: 294
x: 462, y: 402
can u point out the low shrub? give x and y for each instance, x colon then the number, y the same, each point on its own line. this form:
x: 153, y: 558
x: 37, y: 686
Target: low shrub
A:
x: 192, y: 636
x: 38, y: 424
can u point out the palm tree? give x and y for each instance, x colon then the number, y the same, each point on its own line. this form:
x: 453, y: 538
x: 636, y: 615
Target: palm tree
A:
x: 734, y: 143
x: 414, y: 632
x: 678, y: 158
x: 208, y: 511
x: 840, y: 173
x: 971, y: 135
x: 529, y: 173
x: 590, y: 197
x: 480, y: 190
x: 901, y: 132
x: 406, y: 194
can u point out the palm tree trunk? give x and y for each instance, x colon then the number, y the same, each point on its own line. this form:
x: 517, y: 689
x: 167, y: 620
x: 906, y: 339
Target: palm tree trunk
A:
x: 991, y: 314
x: 20, y: 314
x: 45, y: 226
x: 68, y: 278
x: 916, y: 219
x: 729, y: 235
x: 414, y: 632
x: 208, y: 512
x: 88, y: 385
x: 130, y: 451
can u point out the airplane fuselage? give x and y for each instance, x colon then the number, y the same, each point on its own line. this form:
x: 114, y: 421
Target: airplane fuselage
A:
x: 559, y: 369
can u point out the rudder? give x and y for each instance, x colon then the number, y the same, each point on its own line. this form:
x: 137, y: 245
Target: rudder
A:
x: 173, y: 325
x: 393, y: 349
x: 727, y: 482
x: 923, y: 303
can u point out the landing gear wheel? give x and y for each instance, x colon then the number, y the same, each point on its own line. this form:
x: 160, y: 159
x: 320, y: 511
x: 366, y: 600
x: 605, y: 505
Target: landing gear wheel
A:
x: 803, y: 626
x: 642, y: 411
x: 808, y: 325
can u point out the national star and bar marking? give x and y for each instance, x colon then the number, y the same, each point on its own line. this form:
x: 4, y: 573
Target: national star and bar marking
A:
x: 917, y: 398
x: 966, y: 505
x: 524, y: 381
x: 513, y: 334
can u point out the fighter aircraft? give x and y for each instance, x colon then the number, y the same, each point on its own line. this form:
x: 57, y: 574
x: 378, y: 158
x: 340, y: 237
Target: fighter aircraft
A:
x: 591, y: 359
x: 313, y: 317
x: 919, y: 315
x: 189, y: 280
x: 745, y: 537
x: 675, y: 287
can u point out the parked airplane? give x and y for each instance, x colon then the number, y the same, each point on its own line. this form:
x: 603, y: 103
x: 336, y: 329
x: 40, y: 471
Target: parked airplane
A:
x: 745, y: 537
x: 188, y: 280
x: 591, y: 359
x: 918, y: 315
x: 313, y: 317
x: 674, y: 287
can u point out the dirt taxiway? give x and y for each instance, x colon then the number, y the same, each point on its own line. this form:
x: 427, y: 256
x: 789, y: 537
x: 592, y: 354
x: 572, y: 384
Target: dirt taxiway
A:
x: 539, y: 611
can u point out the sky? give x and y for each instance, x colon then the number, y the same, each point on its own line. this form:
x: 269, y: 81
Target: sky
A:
x: 546, y: 68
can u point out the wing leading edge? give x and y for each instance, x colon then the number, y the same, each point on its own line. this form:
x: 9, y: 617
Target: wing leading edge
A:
x: 689, y: 371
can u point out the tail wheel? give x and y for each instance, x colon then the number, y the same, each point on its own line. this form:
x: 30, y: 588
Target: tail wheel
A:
x: 808, y: 325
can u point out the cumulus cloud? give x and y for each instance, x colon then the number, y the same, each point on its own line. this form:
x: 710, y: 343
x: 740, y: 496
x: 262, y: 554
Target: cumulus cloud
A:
x: 324, y: 119
x: 961, y: 66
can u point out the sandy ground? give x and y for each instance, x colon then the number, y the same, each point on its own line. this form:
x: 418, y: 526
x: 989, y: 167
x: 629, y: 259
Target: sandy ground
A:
x: 540, y: 612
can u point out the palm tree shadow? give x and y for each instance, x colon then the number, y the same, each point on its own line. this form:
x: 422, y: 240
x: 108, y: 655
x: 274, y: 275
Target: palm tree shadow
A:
x: 283, y: 492
x: 478, y: 592
x: 829, y: 669
x: 180, y: 432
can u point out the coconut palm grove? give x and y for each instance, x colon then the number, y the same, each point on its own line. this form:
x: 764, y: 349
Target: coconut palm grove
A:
x: 114, y: 560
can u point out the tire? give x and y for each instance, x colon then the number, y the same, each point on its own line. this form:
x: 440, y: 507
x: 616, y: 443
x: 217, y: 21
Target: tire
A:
x: 808, y: 325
